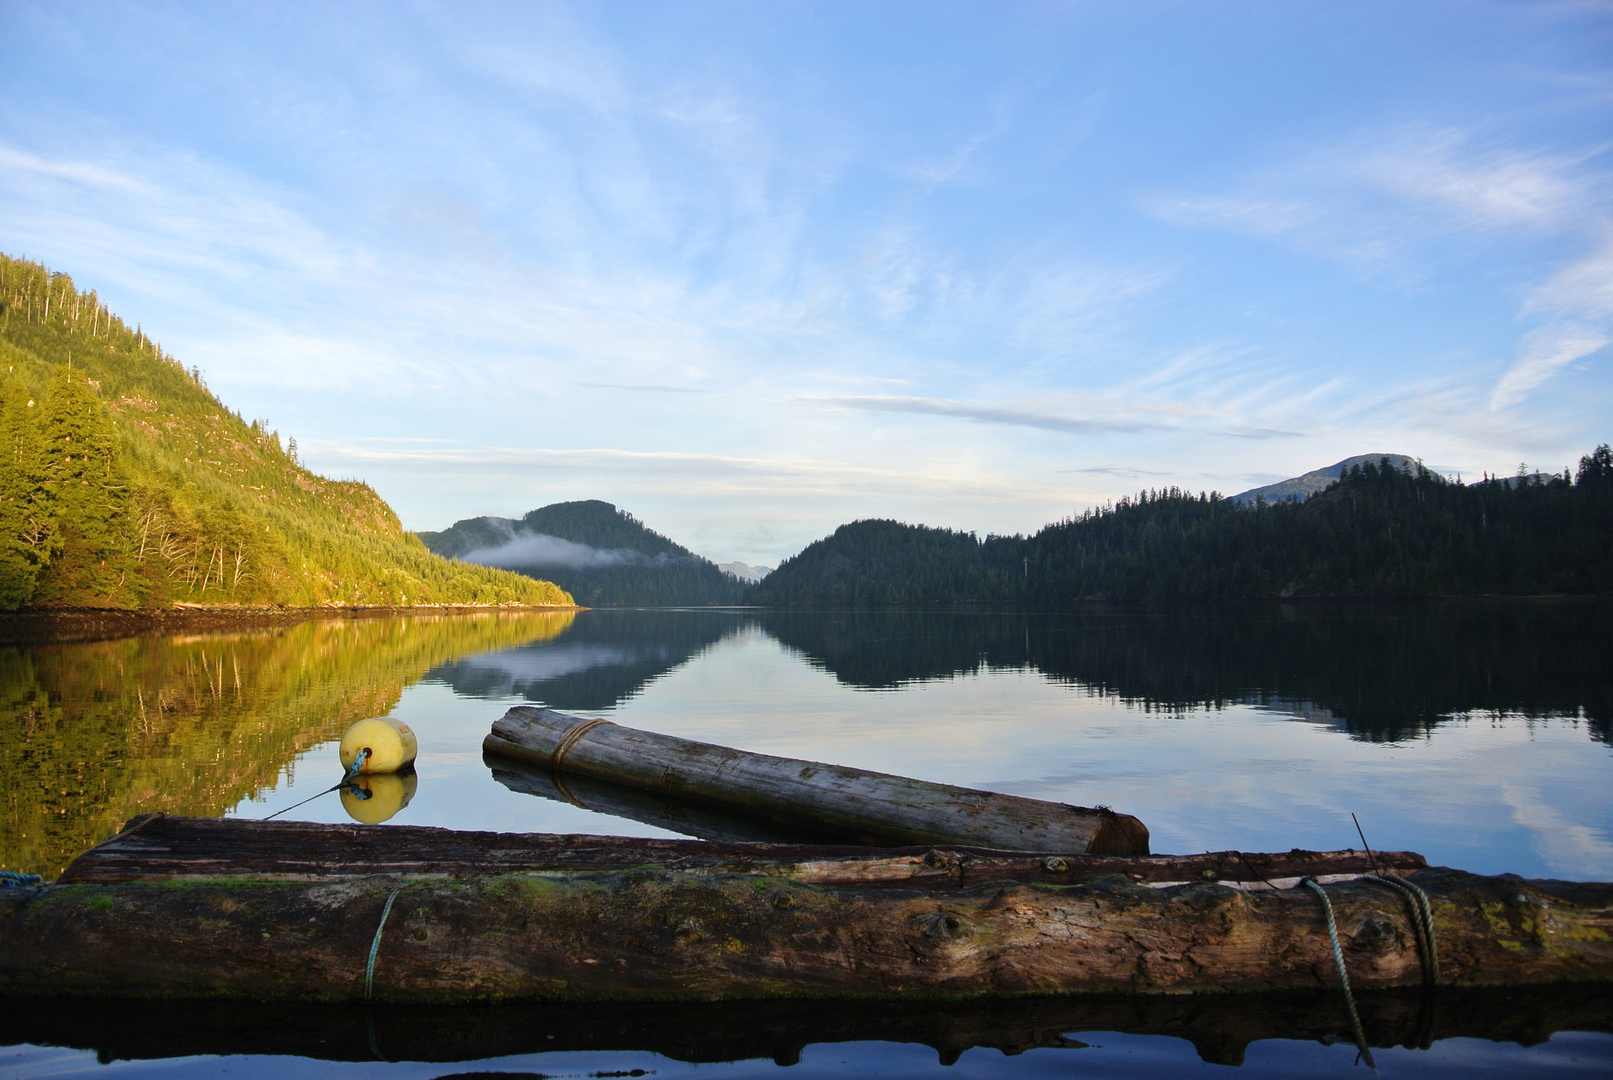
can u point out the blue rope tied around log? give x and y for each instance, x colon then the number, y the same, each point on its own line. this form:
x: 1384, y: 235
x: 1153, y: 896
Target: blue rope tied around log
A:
x: 10, y: 879
x: 1422, y: 924
x: 375, y: 946
x: 1344, y: 976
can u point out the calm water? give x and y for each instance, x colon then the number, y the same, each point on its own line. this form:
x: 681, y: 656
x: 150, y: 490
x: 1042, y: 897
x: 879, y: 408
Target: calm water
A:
x: 1480, y: 734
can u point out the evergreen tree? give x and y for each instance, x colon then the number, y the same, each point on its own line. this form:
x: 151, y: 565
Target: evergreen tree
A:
x: 90, y: 497
x: 28, y: 534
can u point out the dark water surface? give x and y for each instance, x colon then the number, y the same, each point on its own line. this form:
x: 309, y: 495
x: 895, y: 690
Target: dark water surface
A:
x: 1478, y: 733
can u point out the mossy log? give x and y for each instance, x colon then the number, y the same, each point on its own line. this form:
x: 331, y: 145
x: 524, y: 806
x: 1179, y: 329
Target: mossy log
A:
x: 851, y: 805
x: 699, y: 921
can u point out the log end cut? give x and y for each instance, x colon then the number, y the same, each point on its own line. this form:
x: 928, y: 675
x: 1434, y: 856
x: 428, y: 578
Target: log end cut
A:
x: 1119, y: 834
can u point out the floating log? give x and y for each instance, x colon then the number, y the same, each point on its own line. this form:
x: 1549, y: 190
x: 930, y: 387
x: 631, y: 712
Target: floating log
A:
x: 851, y: 805
x: 157, y: 847
x: 180, y: 907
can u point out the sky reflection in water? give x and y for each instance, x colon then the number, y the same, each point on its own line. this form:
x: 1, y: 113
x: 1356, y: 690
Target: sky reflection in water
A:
x: 1477, y: 734
x: 1512, y: 780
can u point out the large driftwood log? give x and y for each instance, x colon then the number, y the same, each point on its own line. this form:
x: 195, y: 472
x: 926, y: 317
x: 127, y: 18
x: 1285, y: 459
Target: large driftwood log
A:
x: 156, y: 847
x: 852, y: 805
x: 773, y: 928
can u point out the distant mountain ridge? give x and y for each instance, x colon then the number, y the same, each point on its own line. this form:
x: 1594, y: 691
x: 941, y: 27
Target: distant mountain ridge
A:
x: 603, y: 556
x: 745, y: 572
x: 1377, y: 531
x: 1299, y: 488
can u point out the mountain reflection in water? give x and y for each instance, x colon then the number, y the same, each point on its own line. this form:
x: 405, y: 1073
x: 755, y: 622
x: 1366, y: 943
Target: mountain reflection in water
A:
x: 1383, y: 672
x: 93, y: 733
x: 1475, y: 732
x: 604, y: 659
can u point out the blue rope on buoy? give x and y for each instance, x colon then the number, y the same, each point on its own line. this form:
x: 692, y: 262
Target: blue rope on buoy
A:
x: 11, y: 879
x: 347, y: 778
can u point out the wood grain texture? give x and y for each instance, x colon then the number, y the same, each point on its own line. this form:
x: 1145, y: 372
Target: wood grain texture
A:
x: 158, y: 847
x: 690, y: 920
x: 854, y: 805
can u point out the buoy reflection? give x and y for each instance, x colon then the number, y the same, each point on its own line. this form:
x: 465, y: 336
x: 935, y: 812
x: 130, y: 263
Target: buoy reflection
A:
x: 375, y: 797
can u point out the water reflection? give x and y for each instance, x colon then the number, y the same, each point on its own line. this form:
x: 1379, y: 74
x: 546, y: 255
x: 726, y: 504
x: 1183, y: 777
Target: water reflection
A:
x: 1476, y: 733
x: 608, y: 657
x: 92, y: 734
x: 376, y: 797
x: 1215, y: 1029
x: 1382, y: 672
x: 630, y: 804
x: 1082, y: 705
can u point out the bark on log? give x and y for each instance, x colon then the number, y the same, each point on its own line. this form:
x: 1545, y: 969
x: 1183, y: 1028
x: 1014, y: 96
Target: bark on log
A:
x: 852, y: 805
x: 157, y: 847
x: 651, y: 932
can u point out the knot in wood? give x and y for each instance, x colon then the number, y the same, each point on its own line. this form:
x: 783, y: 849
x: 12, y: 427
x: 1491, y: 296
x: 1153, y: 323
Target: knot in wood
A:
x: 945, y: 926
x: 1375, y: 934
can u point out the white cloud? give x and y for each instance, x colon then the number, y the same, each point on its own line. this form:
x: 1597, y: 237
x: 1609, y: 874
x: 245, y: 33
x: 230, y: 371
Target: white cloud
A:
x: 1545, y: 353
x: 1489, y: 187
x: 1584, y: 288
x: 1371, y: 200
x: 985, y: 414
x: 76, y: 172
x: 1440, y: 182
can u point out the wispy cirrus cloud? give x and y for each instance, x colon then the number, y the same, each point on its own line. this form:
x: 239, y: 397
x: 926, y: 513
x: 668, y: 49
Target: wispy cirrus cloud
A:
x: 1139, y: 418
x: 983, y: 414
x: 76, y: 172
x: 1545, y: 353
x: 1375, y: 191
x: 665, y: 470
x: 1370, y: 201
x: 1573, y: 312
x: 1483, y: 186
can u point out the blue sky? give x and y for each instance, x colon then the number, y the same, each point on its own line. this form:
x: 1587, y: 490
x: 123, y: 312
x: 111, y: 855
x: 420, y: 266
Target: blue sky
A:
x: 754, y: 270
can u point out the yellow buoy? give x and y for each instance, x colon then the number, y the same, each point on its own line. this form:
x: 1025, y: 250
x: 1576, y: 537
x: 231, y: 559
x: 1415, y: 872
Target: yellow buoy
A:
x: 390, y: 742
x: 370, y: 800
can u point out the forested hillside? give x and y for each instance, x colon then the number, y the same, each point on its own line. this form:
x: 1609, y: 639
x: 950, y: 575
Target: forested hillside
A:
x: 603, y: 556
x: 1380, y: 531
x: 125, y: 483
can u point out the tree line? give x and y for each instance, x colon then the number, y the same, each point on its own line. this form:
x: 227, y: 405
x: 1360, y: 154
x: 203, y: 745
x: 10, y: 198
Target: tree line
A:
x: 1378, y: 532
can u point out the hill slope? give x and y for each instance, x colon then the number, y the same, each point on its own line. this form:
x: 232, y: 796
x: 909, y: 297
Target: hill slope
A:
x: 1299, y: 488
x: 1378, y: 531
x: 603, y: 556
x: 125, y: 483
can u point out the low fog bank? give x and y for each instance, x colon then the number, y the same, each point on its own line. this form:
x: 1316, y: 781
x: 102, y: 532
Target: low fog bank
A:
x: 523, y: 550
